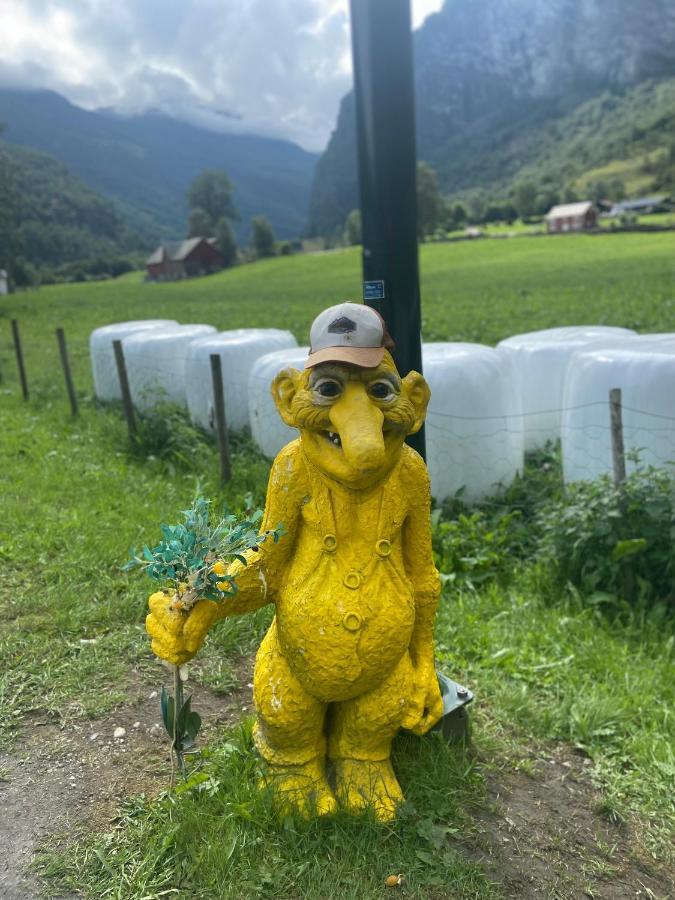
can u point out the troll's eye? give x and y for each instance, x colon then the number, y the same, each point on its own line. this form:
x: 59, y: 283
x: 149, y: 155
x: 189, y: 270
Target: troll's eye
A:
x: 328, y: 388
x: 381, y: 390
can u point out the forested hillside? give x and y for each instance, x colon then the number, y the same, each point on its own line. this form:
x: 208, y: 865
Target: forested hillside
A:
x: 145, y: 163
x: 51, y: 218
x: 546, y: 90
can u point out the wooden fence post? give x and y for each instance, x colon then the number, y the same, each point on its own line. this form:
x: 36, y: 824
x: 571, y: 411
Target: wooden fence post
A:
x: 127, y: 405
x: 63, y: 350
x: 616, y: 422
x: 19, y: 358
x: 219, y: 409
x: 619, y: 467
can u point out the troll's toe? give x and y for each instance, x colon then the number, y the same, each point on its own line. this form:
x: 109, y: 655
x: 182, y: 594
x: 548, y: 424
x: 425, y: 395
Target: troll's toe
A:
x: 368, y: 785
x: 301, y: 790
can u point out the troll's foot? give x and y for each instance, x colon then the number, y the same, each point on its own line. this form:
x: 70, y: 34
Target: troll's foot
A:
x: 300, y: 789
x: 366, y: 784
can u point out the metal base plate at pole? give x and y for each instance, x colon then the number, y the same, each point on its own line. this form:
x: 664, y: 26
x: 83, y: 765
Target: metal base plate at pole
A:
x: 454, y: 724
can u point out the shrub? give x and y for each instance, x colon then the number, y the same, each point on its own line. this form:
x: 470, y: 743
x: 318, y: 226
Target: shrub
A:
x: 591, y: 535
x: 473, y: 549
x: 166, y: 433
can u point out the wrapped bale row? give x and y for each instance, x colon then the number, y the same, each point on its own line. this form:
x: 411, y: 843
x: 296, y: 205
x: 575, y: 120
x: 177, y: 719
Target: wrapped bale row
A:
x: 539, y: 361
x: 238, y: 351
x: 564, y: 376
x: 104, y: 369
x: 474, y: 427
x: 487, y: 405
x: 168, y: 362
x: 156, y: 361
x: 267, y: 429
x: 644, y: 370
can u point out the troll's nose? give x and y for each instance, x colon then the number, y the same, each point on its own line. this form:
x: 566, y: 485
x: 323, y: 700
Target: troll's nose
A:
x: 359, y: 422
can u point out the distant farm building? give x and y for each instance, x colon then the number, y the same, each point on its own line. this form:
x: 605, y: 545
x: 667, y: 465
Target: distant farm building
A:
x: 184, y: 259
x: 572, y: 217
x: 642, y: 206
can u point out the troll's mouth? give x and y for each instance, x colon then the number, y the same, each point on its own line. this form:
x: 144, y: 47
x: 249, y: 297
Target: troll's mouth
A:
x: 333, y: 437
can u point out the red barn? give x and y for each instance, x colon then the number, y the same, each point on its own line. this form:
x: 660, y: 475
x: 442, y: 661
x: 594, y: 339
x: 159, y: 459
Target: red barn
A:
x: 184, y: 259
x: 572, y: 217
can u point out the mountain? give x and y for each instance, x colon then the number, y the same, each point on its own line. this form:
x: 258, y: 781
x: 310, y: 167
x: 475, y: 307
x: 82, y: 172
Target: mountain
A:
x: 145, y: 163
x: 52, y: 217
x: 512, y: 89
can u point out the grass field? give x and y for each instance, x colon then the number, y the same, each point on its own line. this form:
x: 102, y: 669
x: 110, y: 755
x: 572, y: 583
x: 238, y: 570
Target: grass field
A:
x: 551, y: 678
x: 482, y: 291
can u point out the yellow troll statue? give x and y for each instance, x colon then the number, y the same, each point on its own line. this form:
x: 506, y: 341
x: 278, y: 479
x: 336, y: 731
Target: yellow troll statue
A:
x: 349, y: 657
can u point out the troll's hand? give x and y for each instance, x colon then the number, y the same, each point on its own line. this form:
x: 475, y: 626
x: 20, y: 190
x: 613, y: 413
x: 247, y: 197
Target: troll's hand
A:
x: 177, y: 635
x: 426, y: 702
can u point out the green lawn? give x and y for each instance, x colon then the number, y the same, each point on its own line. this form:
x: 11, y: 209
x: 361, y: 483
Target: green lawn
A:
x: 74, y: 499
x: 476, y: 291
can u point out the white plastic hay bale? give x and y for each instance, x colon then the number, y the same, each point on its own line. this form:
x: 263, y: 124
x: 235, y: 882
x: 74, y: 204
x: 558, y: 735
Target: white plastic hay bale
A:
x: 644, y: 370
x: 474, y: 428
x: 155, y: 361
x: 540, y: 360
x: 103, y: 368
x: 267, y: 428
x: 238, y: 351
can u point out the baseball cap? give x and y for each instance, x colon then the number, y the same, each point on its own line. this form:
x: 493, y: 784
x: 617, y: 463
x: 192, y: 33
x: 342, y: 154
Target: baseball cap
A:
x: 351, y: 333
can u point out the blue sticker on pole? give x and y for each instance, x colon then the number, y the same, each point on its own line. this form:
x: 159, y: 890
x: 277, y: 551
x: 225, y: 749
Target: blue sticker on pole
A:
x: 373, y: 290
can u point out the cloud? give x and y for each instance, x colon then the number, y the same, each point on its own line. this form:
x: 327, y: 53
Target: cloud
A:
x: 272, y: 67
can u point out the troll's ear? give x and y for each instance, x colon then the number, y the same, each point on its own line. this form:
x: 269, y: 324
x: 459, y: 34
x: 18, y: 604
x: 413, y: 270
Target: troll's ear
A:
x: 417, y: 391
x: 284, y: 388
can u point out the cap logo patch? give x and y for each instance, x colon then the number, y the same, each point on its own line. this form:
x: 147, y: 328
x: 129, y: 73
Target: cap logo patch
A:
x: 343, y: 325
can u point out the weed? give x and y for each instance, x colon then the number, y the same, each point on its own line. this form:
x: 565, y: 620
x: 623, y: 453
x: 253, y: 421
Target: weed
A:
x: 589, y: 535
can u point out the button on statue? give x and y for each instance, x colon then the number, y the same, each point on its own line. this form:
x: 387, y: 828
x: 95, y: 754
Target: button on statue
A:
x: 349, y: 657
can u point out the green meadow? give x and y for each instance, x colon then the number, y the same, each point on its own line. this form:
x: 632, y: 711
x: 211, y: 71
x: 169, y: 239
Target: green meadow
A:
x: 551, y: 673
x: 482, y: 290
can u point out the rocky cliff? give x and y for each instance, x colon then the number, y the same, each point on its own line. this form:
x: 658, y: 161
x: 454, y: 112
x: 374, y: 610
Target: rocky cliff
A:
x: 497, y: 79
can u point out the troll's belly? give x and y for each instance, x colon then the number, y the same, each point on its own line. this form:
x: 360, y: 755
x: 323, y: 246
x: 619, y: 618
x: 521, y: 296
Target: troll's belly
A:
x: 342, y: 633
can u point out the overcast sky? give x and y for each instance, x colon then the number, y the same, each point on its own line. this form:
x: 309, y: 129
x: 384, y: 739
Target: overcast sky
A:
x: 273, y: 67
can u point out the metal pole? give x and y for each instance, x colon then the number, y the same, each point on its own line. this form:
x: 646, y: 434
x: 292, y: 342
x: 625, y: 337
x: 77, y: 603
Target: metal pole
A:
x: 385, y: 122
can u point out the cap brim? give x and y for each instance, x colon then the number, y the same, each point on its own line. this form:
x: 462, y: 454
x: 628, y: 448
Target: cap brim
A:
x: 365, y: 357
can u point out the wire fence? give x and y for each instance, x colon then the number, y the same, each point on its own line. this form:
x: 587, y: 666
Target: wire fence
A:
x: 474, y: 457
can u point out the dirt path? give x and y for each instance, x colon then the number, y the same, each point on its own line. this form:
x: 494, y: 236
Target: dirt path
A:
x: 540, y: 836
x: 59, y: 781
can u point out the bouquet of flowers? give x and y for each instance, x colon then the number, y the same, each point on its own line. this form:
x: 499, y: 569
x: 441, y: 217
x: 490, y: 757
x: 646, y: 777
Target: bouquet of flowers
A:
x: 192, y: 561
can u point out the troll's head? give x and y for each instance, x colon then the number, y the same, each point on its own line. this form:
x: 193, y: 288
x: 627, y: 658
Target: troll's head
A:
x: 351, y: 406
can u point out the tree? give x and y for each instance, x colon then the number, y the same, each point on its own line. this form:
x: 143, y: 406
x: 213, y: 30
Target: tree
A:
x: 476, y: 210
x: 459, y: 214
x: 429, y: 200
x: 199, y: 223
x: 352, y: 232
x: 525, y: 199
x: 225, y: 242
x: 262, y: 238
x: 211, y: 192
